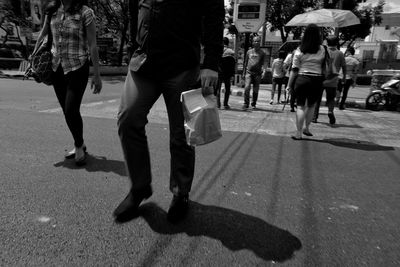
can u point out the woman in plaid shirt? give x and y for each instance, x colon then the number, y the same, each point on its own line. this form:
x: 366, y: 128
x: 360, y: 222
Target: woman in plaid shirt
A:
x: 73, y: 28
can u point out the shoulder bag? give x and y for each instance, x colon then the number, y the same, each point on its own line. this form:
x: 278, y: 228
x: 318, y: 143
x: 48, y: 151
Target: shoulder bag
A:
x: 41, y: 64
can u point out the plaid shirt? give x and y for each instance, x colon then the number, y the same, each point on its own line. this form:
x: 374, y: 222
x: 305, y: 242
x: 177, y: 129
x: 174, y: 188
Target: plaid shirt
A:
x: 70, y: 46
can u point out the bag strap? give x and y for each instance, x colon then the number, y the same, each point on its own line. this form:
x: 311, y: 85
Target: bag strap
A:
x: 326, y: 57
x: 49, y: 33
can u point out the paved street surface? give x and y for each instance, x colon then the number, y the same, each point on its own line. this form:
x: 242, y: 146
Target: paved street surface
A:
x: 258, y: 197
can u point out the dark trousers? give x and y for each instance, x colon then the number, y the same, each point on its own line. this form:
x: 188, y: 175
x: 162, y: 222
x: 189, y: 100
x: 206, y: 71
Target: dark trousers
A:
x: 139, y: 94
x: 277, y: 82
x: 250, y: 79
x: 330, y: 100
x: 69, y: 89
x: 227, y: 82
x: 343, y: 88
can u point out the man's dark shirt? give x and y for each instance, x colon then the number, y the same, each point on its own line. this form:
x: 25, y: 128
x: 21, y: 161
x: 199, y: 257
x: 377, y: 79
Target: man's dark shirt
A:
x: 170, y: 33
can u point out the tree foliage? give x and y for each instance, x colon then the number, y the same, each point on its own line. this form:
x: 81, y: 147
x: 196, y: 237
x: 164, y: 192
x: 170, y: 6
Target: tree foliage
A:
x: 12, y: 17
x: 279, y: 12
x: 369, y: 16
x: 113, y: 19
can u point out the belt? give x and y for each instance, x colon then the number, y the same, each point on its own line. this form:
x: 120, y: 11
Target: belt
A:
x: 310, y: 74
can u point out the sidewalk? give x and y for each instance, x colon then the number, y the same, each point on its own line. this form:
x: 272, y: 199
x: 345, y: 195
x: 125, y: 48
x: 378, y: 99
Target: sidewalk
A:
x: 355, y: 98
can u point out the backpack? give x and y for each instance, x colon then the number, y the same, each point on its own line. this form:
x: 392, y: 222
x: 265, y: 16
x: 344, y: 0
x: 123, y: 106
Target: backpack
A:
x: 328, y: 68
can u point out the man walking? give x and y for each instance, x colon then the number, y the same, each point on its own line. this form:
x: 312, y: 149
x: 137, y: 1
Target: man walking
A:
x: 350, y: 80
x: 228, y: 62
x: 330, y: 86
x: 166, y: 62
x: 253, y: 68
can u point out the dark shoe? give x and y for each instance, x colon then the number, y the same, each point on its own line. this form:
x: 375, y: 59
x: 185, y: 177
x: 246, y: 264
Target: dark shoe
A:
x: 244, y: 107
x: 227, y: 107
x: 71, y: 154
x: 296, y: 137
x: 178, y: 209
x: 80, y: 156
x: 292, y: 110
x: 253, y: 107
x: 128, y: 208
x: 341, y: 107
x: 307, y: 133
x: 332, y: 119
x: 81, y: 161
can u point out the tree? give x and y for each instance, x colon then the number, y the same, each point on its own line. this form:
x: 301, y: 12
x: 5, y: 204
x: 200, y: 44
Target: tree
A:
x: 113, y: 17
x: 279, y: 12
x: 369, y: 16
x: 12, y: 16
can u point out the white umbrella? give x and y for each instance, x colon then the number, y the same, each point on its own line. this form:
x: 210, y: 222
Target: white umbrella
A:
x: 325, y: 18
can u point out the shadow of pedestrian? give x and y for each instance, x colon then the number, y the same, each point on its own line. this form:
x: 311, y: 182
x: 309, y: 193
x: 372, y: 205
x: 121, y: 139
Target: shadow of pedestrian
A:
x: 249, y: 110
x: 271, y: 110
x: 354, y: 144
x: 338, y: 125
x: 96, y: 164
x: 235, y: 230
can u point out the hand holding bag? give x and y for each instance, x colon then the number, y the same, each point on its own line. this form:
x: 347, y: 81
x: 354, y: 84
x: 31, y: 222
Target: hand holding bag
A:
x: 202, y: 124
x: 41, y: 61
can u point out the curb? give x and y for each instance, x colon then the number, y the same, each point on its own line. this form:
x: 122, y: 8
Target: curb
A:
x: 360, y: 104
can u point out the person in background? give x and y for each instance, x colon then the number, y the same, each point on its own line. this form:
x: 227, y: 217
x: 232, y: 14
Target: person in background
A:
x: 278, y: 76
x: 168, y: 68
x: 73, y: 27
x: 306, y: 78
x: 346, y: 81
x: 330, y: 86
x: 287, y: 64
x: 253, y: 69
x: 227, y: 71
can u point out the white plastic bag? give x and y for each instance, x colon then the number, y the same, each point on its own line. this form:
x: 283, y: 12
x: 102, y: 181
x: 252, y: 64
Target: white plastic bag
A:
x: 202, y: 125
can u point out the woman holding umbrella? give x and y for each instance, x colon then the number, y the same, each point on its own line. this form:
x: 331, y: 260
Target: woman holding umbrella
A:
x: 306, y: 78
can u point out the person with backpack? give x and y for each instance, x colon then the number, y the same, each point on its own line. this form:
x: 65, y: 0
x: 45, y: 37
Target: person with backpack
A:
x: 227, y: 71
x: 306, y: 78
x: 278, y: 76
x: 330, y: 85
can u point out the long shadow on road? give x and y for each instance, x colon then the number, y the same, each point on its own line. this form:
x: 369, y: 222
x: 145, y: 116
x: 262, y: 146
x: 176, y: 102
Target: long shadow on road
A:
x: 354, y: 144
x: 234, y: 229
x: 96, y: 164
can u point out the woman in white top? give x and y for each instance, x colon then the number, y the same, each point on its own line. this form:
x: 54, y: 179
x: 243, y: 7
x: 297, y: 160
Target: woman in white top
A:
x: 278, y: 75
x: 306, y: 78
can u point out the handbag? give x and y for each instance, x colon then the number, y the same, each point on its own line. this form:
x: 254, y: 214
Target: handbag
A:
x: 41, y: 61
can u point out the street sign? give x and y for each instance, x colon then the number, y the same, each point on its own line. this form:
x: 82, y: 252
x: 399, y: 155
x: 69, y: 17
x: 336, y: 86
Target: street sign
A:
x: 249, y: 15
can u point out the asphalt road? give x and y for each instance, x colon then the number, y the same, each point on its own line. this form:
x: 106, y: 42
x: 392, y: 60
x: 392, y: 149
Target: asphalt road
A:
x: 258, y: 196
